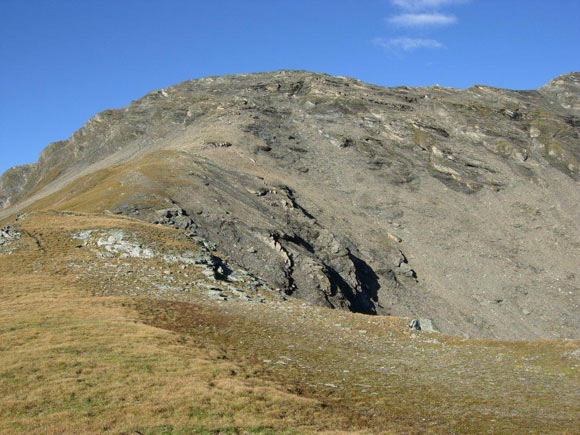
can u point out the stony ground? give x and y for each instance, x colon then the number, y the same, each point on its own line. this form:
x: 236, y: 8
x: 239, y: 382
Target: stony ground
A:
x: 456, y: 206
x: 111, y: 324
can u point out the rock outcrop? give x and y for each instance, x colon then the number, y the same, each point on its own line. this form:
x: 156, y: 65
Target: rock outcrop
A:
x: 8, y: 235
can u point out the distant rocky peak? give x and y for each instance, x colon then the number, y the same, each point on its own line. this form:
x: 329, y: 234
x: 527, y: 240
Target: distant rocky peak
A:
x: 564, y: 90
x: 573, y: 77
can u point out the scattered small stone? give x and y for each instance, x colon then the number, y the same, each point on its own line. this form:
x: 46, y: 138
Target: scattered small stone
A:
x: 422, y: 325
x: 394, y: 237
x: 407, y: 271
x: 415, y: 324
x: 218, y: 144
x: 258, y: 192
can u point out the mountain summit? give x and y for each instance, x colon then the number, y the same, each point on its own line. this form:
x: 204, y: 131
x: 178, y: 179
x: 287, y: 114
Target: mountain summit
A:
x: 456, y: 207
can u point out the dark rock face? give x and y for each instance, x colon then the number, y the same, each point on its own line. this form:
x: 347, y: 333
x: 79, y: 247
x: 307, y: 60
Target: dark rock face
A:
x: 430, y: 203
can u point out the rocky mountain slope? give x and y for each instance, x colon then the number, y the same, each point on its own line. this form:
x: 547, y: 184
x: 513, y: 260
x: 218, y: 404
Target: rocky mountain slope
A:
x: 457, y: 207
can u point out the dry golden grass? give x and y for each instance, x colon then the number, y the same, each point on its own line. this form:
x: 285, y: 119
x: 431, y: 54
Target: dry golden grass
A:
x: 106, y: 188
x: 71, y: 363
x: 75, y: 363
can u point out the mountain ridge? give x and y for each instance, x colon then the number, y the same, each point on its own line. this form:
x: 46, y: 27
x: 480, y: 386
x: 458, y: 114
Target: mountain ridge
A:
x: 568, y: 80
x: 347, y: 194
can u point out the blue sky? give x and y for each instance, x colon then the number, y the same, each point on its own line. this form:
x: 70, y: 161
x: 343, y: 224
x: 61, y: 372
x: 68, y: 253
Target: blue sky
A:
x: 62, y: 61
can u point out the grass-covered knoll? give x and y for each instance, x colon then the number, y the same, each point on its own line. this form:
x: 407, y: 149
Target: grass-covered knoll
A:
x: 73, y: 363
x: 76, y: 361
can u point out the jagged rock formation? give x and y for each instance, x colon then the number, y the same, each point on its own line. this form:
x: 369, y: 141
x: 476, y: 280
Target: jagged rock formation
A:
x: 458, y: 206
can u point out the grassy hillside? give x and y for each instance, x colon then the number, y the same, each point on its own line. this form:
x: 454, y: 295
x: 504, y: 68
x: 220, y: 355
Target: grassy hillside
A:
x: 94, y: 339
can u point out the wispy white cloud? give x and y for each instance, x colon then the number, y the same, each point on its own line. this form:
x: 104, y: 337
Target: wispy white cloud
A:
x: 407, y: 44
x: 422, y: 20
x: 418, y: 14
x: 421, y: 5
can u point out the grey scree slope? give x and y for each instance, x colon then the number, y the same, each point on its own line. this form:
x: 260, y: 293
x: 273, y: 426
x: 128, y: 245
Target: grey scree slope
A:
x: 461, y: 206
